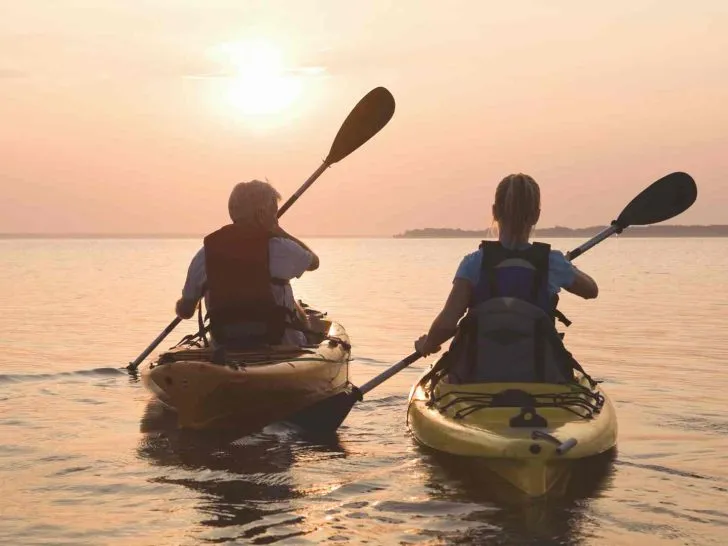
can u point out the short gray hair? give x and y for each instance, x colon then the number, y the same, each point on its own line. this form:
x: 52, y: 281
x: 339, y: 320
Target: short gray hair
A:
x: 249, y: 199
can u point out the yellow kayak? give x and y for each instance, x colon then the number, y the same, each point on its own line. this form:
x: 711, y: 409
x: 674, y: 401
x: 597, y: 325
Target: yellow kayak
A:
x: 252, y: 388
x: 527, y: 433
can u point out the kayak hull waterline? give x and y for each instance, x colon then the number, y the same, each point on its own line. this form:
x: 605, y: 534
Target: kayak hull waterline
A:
x: 528, y: 434
x: 252, y: 388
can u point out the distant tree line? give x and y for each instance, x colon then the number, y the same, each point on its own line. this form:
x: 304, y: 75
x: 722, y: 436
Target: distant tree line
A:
x: 560, y: 231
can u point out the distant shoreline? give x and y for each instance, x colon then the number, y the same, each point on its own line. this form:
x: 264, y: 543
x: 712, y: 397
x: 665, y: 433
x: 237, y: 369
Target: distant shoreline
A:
x: 565, y: 232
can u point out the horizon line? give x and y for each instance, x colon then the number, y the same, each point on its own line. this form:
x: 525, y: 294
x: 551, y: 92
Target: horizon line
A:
x: 173, y: 235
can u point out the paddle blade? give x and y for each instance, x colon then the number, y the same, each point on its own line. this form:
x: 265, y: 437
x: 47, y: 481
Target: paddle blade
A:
x: 325, y: 416
x: 669, y: 196
x: 366, y: 119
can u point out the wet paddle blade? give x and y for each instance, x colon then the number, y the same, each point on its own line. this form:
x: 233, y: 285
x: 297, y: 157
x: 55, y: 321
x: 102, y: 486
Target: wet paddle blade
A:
x: 367, y: 118
x: 325, y: 416
x: 664, y: 199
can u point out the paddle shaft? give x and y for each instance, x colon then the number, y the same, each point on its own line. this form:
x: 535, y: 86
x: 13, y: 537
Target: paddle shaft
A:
x: 598, y: 238
x: 171, y: 326
x: 311, y: 179
x: 382, y: 377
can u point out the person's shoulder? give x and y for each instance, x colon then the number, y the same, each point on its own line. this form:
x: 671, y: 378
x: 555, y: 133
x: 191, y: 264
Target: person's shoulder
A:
x: 473, y: 256
x: 199, y: 257
x: 288, y: 259
x: 469, y: 267
x: 561, y: 271
x: 472, y: 260
x: 557, y: 256
x: 285, y: 245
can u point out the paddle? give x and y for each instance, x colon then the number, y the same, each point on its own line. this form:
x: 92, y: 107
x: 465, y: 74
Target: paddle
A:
x: 326, y: 416
x: 662, y: 200
x: 132, y: 367
x: 367, y: 118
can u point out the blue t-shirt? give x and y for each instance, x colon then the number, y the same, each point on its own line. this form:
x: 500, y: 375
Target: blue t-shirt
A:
x: 561, y: 272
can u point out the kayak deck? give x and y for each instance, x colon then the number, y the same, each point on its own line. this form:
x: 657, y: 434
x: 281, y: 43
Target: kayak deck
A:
x: 526, y: 433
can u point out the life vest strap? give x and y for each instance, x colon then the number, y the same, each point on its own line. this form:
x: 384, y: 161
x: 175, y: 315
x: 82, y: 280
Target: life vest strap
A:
x: 538, y: 350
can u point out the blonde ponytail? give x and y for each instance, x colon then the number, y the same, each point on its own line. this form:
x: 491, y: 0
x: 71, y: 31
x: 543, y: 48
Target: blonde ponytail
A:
x: 517, y: 206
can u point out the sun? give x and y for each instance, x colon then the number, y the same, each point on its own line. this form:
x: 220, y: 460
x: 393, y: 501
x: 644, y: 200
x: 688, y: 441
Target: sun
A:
x: 260, y: 82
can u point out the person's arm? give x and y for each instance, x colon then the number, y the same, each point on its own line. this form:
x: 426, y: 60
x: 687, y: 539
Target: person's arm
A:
x: 583, y: 285
x: 302, y: 316
x: 185, y: 308
x: 192, y: 290
x: 278, y: 231
x: 446, y: 322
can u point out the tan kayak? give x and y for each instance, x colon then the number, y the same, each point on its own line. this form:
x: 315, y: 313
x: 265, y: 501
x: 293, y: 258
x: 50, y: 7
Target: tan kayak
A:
x: 252, y: 388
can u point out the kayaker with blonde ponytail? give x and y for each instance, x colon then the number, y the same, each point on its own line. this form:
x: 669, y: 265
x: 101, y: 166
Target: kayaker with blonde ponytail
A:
x: 507, y: 277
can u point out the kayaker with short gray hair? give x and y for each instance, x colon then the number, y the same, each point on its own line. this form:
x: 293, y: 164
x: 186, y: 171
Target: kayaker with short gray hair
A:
x: 507, y: 287
x: 244, y: 269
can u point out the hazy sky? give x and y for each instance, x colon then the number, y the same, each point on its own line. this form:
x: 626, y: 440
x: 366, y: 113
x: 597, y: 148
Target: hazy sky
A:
x: 140, y: 117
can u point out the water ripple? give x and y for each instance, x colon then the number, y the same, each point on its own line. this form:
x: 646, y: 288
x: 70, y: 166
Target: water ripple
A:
x: 97, y: 372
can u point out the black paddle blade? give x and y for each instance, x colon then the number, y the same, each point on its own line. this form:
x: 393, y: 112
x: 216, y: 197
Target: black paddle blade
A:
x: 325, y: 416
x: 366, y: 119
x: 669, y: 196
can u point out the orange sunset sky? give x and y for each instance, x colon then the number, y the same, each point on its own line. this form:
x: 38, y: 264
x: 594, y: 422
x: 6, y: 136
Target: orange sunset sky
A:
x: 138, y: 117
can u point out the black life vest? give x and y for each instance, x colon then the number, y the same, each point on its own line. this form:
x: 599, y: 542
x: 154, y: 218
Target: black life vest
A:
x: 510, y: 273
x: 508, y: 334
x: 241, y: 307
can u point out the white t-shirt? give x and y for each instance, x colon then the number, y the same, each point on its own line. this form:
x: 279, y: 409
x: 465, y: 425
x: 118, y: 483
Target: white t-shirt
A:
x: 287, y: 260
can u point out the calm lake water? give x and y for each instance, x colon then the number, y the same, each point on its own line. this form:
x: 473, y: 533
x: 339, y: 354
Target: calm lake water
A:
x: 85, y: 458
